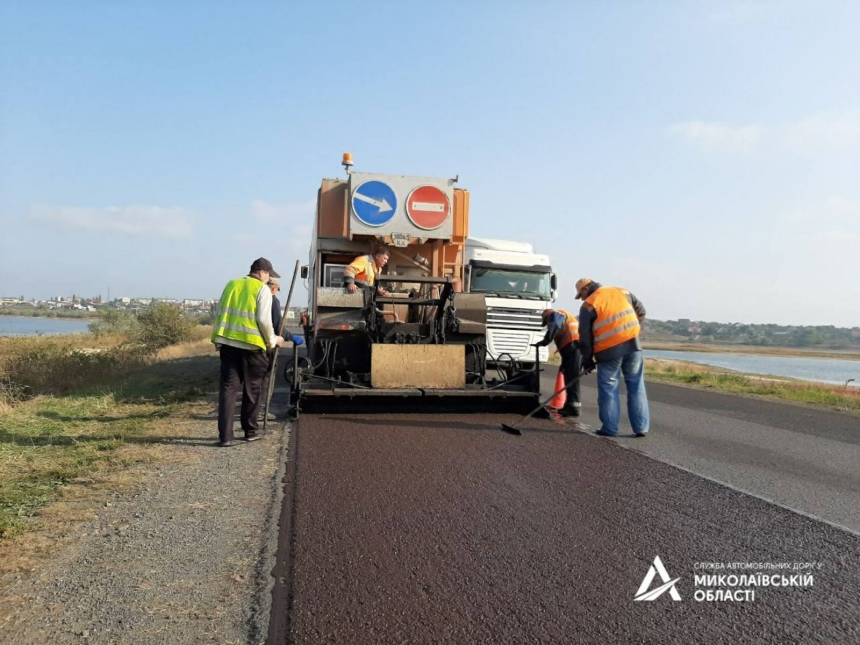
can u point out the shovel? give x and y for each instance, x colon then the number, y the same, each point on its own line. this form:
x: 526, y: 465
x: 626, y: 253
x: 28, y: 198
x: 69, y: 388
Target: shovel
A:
x: 512, y: 429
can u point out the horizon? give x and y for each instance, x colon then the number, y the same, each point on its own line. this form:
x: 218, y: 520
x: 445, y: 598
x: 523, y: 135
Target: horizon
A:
x: 702, y: 155
x: 179, y: 300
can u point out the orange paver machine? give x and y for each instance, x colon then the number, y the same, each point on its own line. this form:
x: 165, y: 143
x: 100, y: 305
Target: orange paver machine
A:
x: 413, y: 334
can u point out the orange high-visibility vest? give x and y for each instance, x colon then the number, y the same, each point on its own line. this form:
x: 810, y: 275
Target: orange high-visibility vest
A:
x: 568, y: 332
x: 615, y: 322
x: 362, y: 269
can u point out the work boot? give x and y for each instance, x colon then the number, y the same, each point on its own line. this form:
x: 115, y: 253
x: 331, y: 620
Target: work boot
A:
x: 569, y: 412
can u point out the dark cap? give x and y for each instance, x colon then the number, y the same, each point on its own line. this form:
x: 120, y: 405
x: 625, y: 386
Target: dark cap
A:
x: 262, y: 264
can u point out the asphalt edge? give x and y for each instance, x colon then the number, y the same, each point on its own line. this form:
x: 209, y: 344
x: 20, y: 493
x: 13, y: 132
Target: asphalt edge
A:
x: 264, y: 569
x: 279, y: 599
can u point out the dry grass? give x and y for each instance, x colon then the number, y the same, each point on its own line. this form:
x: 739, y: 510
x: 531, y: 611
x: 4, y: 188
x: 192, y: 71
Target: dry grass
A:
x: 772, y: 387
x: 108, y: 411
x: 752, y: 349
x: 198, y: 347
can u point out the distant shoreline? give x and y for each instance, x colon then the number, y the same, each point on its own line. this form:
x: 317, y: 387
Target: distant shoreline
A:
x: 799, y: 352
x: 65, y: 315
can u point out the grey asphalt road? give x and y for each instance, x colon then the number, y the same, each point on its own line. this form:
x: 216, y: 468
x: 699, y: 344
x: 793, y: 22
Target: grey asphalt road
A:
x: 443, y: 529
x: 803, y: 458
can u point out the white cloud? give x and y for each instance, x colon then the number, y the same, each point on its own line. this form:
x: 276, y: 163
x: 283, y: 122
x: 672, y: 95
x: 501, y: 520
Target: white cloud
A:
x: 732, y: 13
x: 266, y: 212
x: 284, y: 229
x: 719, y: 137
x: 831, y: 226
x: 835, y: 210
x: 827, y: 132
x: 135, y: 221
x: 843, y: 237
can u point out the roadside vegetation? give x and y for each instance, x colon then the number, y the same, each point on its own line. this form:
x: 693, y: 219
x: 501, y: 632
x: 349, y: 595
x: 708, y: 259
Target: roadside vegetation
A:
x: 74, y: 409
x: 824, y: 337
x: 841, y: 354
x: 844, y: 399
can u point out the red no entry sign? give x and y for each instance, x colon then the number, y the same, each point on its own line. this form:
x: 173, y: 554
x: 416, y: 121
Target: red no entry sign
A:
x: 428, y: 207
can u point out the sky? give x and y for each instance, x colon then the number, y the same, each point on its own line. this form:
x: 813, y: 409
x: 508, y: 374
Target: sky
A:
x: 704, y: 155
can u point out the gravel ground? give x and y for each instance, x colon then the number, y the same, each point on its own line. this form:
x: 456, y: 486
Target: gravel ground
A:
x: 184, y: 557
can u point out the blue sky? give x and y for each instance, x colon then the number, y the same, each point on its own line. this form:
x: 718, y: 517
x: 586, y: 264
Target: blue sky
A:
x: 704, y: 155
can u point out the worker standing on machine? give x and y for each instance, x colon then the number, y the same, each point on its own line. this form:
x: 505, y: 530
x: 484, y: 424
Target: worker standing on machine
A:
x: 562, y: 328
x: 365, y: 270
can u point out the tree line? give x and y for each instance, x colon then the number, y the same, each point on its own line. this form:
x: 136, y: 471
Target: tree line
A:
x: 825, y: 336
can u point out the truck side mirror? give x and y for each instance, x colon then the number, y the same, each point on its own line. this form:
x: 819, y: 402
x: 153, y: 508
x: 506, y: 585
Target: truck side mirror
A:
x: 467, y: 275
x: 553, y: 282
x: 305, y: 272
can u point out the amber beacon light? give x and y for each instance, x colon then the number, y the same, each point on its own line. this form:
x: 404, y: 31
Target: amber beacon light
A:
x: 347, y: 161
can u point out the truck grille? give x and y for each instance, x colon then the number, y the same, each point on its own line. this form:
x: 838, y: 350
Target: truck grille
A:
x: 514, y: 318
x: 515, y: 343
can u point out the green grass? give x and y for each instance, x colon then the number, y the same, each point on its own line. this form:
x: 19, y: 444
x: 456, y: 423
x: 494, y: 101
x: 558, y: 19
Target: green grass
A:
x: 84, y: 417
x: 808, y: 393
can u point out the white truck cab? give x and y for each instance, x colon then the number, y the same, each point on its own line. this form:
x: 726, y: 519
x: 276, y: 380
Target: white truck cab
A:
x: 518, y: 285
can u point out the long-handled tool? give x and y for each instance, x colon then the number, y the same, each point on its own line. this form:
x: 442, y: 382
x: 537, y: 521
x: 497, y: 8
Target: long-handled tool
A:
x: 273, y: 373
x: 512, y: 429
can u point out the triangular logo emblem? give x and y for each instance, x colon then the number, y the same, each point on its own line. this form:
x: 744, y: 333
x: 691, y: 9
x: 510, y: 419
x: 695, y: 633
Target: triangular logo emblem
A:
x: 668, y: 583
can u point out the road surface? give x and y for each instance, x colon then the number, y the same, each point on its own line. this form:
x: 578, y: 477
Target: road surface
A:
x: 444, y: 529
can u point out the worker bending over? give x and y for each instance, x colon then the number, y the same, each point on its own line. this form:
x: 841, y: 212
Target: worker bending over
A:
x: 365, y: 269
x: 562, y: 328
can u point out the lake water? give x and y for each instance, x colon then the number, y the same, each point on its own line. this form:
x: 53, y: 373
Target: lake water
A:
x: 821, y: 370
x: 26, y: 326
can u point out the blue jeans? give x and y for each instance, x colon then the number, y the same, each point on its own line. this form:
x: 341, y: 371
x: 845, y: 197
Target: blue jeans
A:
x: 632, y: 367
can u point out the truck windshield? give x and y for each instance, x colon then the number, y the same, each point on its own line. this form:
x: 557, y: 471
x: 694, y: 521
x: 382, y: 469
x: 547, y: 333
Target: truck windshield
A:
x: 526, y: 284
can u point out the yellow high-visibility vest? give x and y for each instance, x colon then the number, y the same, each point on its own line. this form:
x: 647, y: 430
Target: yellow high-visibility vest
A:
x: 237, y: 313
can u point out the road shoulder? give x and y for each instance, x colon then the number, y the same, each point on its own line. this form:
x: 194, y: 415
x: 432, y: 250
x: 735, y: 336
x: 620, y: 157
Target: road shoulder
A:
x: 185, y: 555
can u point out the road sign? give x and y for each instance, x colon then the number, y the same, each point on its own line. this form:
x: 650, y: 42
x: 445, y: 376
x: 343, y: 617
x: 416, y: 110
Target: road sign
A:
x: 428, y: 207
x: 374, y: 203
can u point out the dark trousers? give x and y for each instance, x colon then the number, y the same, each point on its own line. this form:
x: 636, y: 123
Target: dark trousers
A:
x: 571, y: 364
x: 240, y: 367
x: 267, y: 377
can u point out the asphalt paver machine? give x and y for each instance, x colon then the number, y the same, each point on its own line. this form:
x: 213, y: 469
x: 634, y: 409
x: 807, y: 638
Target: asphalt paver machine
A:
x: 425, y: 342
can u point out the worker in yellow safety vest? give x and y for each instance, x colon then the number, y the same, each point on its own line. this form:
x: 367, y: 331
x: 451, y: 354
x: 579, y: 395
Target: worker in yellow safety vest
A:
x: 243, y: 332
x: 610, y: 320
x: 562, y: 328
x: 365, y: 270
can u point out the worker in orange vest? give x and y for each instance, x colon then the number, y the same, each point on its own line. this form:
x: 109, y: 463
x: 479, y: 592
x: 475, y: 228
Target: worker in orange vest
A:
x: 609, y: 321
x: 365, y: 270
x: 562, y: 328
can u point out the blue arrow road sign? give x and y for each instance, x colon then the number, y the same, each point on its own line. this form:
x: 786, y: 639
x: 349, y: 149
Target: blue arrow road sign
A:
x: 374, y: 203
